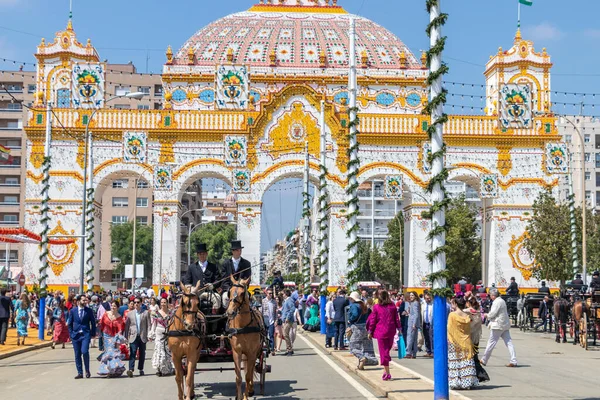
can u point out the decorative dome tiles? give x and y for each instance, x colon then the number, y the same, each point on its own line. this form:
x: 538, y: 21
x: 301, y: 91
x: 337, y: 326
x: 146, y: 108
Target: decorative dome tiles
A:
x: 298, y: 36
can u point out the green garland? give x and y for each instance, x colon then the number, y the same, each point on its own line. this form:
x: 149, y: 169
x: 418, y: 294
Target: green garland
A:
x: 323, y: 255
x: 353, y: 164
x: 306, y: 256
x: 438, y: 180
x: 45, y: 221
x: 89, y: 214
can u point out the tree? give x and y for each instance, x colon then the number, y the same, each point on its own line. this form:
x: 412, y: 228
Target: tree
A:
x: 363, y: 271
x: 549, y: 239
x: 217, y: 237
x: 121, y: 245
x: 463, y: 244
x: 390, y: 269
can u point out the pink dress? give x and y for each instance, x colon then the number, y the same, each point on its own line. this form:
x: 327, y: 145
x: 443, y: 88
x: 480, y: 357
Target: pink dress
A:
x: 383, y: 324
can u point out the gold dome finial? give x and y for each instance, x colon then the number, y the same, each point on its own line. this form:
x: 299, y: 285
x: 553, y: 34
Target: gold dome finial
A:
x: 70, y: 25
x: 518, y: 35
x: 273, y: 58
x: 402, y: 57
x: 364, y: 59
x: 191, y: 56
x: 169, y: 55
x: 323, y: 59
x: 230, y: 55
x: 424, y: 58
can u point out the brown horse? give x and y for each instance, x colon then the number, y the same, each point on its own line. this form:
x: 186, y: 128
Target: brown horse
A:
x: 246, y: 329
x: 184, y: 338
x: 579, y: 309
x: 561, y: 315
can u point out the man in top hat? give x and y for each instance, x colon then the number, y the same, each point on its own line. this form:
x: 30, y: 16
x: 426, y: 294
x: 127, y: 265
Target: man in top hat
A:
x: 513, y: 288
x: 235, y: 266
x: 577, y: 280
x: 202, y: 270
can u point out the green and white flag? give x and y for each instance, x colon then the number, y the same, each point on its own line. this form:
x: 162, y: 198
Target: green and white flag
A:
x: 526, y: 2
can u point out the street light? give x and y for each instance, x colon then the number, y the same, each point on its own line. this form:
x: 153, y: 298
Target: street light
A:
x: 583, y: 202
x: 88, y: 144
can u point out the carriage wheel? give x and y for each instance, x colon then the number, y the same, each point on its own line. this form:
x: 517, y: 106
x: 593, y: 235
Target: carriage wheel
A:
x: 583, y: 331
x: 263, y: 371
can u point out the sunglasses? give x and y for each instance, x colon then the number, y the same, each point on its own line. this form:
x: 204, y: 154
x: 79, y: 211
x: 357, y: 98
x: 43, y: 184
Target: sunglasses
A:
x: 137, y: 302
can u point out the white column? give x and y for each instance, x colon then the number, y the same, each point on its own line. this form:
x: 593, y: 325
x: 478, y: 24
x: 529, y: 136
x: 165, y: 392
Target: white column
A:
x: 248, y: 231
x: 353, y: 168
x: 338, y: 242
x: 416, y: 247
x: 166, y: 268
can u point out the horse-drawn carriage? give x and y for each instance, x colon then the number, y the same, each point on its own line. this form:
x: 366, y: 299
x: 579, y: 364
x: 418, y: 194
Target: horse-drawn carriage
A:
x: 511, y: 306
x: 531, y: 310
x: 203, y: 331
x: 586, y: 315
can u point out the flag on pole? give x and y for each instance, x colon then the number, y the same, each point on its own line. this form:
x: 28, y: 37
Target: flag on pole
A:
x: 526, y: 2
x: 5, y: 157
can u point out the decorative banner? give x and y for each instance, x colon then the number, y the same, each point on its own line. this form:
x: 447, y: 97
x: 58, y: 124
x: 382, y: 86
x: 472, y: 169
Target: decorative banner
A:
x: 556, y: 158
x: 88, y: 86
x: 163, y: 178
x: 393, y: 187
x: 135, y: 147
x: 241, y: 181
x: 489, y: 186
x: 235, y: 151
x: 515, y: 105
x: 232, y: 87
x: 426, y: 154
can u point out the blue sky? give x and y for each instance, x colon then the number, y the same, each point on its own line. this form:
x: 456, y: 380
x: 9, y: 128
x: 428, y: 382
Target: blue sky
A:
x: 130, y: 30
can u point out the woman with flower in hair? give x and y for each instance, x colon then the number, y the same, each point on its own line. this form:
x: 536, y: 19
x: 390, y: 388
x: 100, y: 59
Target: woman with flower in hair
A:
x: 461, y: 364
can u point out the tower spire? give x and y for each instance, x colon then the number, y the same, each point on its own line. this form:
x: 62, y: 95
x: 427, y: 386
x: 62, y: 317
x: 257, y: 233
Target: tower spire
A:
x: 70, y: 24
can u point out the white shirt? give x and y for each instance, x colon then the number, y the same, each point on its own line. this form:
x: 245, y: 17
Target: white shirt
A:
x: 427, y: 312
x: 329, y: 310
x: 236, y: 264
x: 498, y: 315
x: 203, y: 265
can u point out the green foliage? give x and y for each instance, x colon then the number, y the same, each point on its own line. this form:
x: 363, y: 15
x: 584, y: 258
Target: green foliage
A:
x: 463, y: 244
x: 389, y: 268
x: 363, y: 271
x: 217, y: 238
x: 549, y: 239
x: 121, y: 245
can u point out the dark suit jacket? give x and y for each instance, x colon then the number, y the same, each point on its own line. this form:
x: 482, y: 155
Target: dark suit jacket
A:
x: 244, y: 272
x: 543, y: 310
x: 339, y: 306
x: 5, y: 307
x: 80, y: 328
x: 544, y: 289
x: 195, y: 274
x: 513, y: 289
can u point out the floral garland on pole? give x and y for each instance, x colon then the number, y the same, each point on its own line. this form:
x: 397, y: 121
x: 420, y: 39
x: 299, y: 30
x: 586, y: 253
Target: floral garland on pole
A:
x: 45, y: 219
x: 306, y: 245
x: 353, y: 162
x: 90, y: 246
x: 434, y: 108
x: 323, y: 221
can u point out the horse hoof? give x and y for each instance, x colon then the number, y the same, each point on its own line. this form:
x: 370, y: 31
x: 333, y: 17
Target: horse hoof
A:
x: 251, y: 394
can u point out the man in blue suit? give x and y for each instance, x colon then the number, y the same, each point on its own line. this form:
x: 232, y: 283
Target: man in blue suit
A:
x: 82, y: 328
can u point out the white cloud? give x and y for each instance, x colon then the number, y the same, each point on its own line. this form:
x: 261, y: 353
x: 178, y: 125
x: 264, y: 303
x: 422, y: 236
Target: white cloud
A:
x: 543, y: 31
x: 592, y: 33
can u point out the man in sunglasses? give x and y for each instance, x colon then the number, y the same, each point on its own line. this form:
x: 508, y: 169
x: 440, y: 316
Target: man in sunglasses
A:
x: 137, y: 325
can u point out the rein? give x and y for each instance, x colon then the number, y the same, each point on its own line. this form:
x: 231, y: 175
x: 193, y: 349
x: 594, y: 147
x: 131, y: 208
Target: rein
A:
x: 195, y: 331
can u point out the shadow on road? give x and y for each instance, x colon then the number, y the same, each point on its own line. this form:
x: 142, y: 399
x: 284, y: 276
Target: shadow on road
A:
x: 273, y: 389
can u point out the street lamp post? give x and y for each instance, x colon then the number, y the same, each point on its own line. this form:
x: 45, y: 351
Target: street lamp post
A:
x: 583, y: 201
x: 88, y: 144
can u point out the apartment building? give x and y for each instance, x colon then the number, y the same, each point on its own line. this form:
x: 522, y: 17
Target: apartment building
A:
x: 20, y: 86
x: 573, y: 129
x: 375, y: 212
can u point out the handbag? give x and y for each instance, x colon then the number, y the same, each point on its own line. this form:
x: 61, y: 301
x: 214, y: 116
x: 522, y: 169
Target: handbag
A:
x: 401, y: 347
x: 349, y: 333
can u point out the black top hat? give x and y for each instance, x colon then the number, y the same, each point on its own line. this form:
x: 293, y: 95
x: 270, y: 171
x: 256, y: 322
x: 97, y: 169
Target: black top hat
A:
x: 512, y: 278
x: 277, y: 272
x: 596, y: 273
x: 257, y: 290
x: 236, y: 245
x: 578, y: 276
x: 201, y: 248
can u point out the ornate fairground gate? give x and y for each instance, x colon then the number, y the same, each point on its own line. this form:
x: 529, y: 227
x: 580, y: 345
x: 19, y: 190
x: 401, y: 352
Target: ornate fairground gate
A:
x: 243, y: 95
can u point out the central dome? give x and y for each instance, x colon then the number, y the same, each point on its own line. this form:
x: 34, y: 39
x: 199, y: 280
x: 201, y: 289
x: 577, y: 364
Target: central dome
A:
x: 297, y: 34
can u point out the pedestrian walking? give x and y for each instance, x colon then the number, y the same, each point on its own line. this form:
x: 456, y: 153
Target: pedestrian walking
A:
x: 269, y: 312
x: 543, y: 314
x: 474, y: 310
x: 60, y: 334
x: 360, y: 345
x: 499, y: 328
x: 287, y: 315
x: 383, y: 324
x: 329, y: 315
x: 161, y: 359
x: 402, y: 307
x: 137, y: 326
x: 6, y: 310
x: 82, y: 328
x: 339, y: 319
x: 278, y: 324
x: 427, y: 316
x: 111, y: 327
x: 22, y: 317
x: 413, y: 309
x: 461, y: 364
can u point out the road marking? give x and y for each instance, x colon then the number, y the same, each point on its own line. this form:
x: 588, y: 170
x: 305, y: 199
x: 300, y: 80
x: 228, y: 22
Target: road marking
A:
x: 360, y: 388
x: 426, y: 379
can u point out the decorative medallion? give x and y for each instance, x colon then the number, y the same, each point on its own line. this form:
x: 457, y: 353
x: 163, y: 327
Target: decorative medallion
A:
x: 163, y: 178
x: 393, y: 187
x: 413, y: 100
x: 61, y: 255
x: 88, y: 86
x: 426, y: 153
x: 207, y: 96
x: 489, y: 186
x: 297, y: 132
x: 235, y: 151
x: 515, y: 105
x: 385, y: 99
x: 241, y: 181
x: 556, y: 158
x: 521, y: 259
x: 232, y: 87
x: 135, y: 147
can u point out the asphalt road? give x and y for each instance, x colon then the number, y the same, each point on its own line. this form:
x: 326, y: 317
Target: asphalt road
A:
x: 48, y: 373
x: 547, y: 370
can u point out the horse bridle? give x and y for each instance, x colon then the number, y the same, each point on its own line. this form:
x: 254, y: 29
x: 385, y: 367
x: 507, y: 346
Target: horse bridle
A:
x: 238, y: 304
x: 186, y: 312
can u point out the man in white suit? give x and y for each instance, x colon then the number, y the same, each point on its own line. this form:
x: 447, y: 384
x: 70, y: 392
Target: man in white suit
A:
x: 499, y: 328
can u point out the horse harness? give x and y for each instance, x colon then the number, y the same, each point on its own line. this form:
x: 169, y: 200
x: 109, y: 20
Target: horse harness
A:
x: 196, y: 331
x: 248, y: 328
